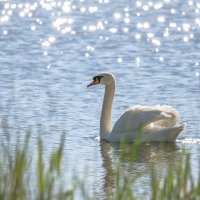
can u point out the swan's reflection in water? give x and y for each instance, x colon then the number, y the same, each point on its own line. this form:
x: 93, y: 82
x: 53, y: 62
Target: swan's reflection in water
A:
x: 162, y: 155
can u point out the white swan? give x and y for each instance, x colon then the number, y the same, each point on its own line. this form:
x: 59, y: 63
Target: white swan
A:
x: 153, y: 123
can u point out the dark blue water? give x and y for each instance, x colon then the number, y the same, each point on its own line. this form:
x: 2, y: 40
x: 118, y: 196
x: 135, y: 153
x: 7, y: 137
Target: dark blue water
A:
x: 50, y: 50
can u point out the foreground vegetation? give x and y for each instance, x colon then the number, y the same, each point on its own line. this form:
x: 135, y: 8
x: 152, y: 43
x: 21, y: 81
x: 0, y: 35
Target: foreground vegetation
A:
x: 17, y: 181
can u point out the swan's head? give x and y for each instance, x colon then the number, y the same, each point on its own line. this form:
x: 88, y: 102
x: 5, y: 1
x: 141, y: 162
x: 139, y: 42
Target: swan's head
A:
x: 103, y: 78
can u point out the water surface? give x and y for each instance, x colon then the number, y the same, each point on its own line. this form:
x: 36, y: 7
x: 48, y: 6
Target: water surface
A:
x: 50, y: 50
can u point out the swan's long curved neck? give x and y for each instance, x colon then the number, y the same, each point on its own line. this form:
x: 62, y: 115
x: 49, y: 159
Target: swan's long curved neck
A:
x: 106, y: 113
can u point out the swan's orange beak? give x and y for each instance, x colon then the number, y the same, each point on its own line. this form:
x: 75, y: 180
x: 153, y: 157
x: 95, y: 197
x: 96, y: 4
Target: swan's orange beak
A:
x: 93, y: 83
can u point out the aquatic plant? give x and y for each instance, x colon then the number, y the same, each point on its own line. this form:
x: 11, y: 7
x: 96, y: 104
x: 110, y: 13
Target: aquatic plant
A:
x: 17, y: 182
x: 177, y: 182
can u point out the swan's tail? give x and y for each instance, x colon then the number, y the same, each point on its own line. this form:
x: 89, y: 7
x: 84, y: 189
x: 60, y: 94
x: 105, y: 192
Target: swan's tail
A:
x: 175, y: 132
x: 182, y: 126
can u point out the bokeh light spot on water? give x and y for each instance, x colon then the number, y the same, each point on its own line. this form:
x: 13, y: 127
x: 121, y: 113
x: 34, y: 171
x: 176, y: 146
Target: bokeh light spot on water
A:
x: 104, y: 1
x: 145, y: 7
x: 185, y: 39
x: 113, y: 30
x: 33, y: 27
x: 190, y: 3
x: 90, y: 48
x: 6, y: 5
x: 138, y: 3
x: 100, y: 25
x: 45, y: 53
x: 126, y: 9
x: 186, y: 27
x: 138, y: 14
x: 146, y: 25
x: 161, y: 59
x: 48, y: 66
x: 117, y: 15
x: 119, y: 59
x: 166, y: 33
x: 46, y: 43
x: 93, y: 9
x: 66, y: 7
x: 5, y: 32
x: 161, y: 19
x: 63, y: 24
x: 139, y: 25
x: 66, y: 29
x: 92, y: 28
x: 83, y: 9
x: 138, y: 36
x: 4, y: 18
x: 87, y: 55
x: 150, y: 35
x: 85, y: 28
x: 197, y: 21
x: 51, y: 39
x: 127, y: 20
x: 197, y: 11
x: 172, y: 25
x: 137, y: 60
x: 173, y: 10
x: 126, y: 29
x: 158, y: 6
x: 10, y: 12
x: 156, y: 42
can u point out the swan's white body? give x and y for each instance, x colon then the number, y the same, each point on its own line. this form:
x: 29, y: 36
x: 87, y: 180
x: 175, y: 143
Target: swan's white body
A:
x: 148, y: 123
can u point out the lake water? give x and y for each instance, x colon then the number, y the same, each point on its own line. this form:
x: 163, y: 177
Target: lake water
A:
x: 50, y: 50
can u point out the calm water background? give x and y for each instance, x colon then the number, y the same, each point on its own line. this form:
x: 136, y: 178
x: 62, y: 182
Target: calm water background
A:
x: 50, y: 50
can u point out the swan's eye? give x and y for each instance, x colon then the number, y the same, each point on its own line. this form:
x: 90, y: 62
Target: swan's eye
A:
x: 97, y: 77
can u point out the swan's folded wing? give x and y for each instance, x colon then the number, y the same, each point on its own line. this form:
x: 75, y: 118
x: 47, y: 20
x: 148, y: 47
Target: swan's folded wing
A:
x: 140, y: 116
